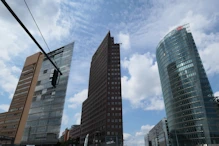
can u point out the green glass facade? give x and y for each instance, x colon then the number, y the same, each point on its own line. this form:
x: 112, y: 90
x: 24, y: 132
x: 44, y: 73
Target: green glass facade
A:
x: 193, y: 116
x: 45, y: 115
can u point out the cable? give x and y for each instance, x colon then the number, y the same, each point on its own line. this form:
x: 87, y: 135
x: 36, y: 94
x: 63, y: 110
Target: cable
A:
x: 28, y: 32
x: 37, y: 26
x: 38, y: 29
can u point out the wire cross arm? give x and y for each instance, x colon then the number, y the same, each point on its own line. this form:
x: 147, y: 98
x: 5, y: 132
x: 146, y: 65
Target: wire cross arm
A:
x: 27, y: 31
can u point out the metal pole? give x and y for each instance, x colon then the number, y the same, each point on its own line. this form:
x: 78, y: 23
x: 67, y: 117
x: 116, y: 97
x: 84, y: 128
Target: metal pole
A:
x: 27, y: 31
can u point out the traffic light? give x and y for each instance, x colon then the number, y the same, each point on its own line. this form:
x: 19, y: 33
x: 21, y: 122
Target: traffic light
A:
x: 54, y: 78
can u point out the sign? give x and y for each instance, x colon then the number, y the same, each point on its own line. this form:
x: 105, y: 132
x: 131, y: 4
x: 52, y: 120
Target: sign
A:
x: 179, y: 28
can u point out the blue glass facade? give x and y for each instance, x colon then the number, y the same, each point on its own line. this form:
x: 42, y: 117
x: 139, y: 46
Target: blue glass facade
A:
x: 193, y: 116
x: 45, y: 115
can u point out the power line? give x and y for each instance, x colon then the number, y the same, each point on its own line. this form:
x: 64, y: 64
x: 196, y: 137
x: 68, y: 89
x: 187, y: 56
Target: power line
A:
x: 37, y: 25
x: 27, y: 31
x: 38, y: 28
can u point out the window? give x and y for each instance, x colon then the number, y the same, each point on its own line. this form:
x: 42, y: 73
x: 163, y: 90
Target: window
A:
x: 38, y: 97
x: 44, y: 91
x: 53, y: 93
x: 41, y: 129
x: 42, y: 122
x: 34, y: 98
x: 38, y: 82
x: 45, y: 71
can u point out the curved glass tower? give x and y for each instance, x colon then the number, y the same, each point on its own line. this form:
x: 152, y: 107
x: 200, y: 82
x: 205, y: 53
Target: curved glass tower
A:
x: 193, y: 116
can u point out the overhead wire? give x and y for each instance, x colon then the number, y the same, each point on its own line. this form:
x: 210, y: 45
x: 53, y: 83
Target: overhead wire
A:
x: 36, y: 24
x: 38, y: 27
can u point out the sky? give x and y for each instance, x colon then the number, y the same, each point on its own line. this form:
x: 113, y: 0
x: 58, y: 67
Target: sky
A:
x: 138, y: 24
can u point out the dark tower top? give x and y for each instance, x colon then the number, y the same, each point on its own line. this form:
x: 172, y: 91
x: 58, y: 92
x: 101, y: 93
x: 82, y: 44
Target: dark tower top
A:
x: 102, y: 110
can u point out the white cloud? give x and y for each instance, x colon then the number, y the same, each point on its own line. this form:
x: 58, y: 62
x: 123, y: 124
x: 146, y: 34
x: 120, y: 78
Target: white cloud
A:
x: 147, y: 32
x: 138, y: 138
x: 79, y: 73
x: 65, y: 122
x: 16, y: 44
x: 8, y: 80
x: 4, y: 107
x: 16, y: 69
x: 216, y: 93
x: 155, y: 103
x: 144, y: 130
x: 210, y: 58
x: 151, y: 22
x: 12, y: 43
x: 78, y: 118
x: 11, y: 96
x: 126, y: 136
x: 124, y: 38
x: 65, y: 119
x: 50, y: 19
x: 130, y: 140
x: 77, y: 99
x: 148, y: 23
x: 142, y: 88
x: 53, y: 24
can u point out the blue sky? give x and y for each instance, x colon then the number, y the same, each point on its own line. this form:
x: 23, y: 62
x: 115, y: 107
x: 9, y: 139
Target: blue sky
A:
x: 138, y: 24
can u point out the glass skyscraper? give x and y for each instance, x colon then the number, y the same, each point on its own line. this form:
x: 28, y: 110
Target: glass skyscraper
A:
x: 192, y: 115
x: 45, y: 115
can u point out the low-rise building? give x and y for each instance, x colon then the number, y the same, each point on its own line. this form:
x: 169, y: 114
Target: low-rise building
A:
x: 75, y: 131
x: 65, y: 135
x: 158, y: 135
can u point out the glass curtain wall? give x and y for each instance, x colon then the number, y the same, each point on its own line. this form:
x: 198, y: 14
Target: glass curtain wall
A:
x: 192, y: 114
x: 45, y: 115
